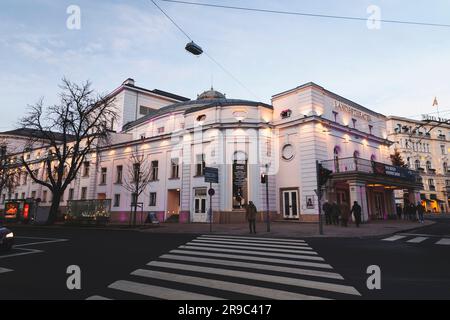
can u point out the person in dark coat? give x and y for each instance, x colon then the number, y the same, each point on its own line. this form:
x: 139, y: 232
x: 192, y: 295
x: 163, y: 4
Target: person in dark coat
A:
x: 327, y: 210
x: 406, y: 211
x: 345, y: 213
x: 412, y: 212
x: 399, y: 212
x: 250, y: 215
x: 356, y: 210
x: 420, y: 211
x: 335, y: 213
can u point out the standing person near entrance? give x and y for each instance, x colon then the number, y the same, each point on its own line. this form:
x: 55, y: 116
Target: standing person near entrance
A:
x: 412, y: 212
x: 327, y: 210
x: 250, y: 215
x: 399, y: 211
x: 420, y: 211
x: 345, y: 214
x: 356, y: 210
x: 335, y: 213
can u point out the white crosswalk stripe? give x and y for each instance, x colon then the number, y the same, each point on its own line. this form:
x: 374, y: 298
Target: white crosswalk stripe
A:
x: 4, y: 270
x: 222, y: 267
x: 417, y: 239
x: 413, y: 238
x: 444, y: 241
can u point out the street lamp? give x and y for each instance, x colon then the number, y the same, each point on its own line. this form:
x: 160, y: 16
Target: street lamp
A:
x: 265, y: 180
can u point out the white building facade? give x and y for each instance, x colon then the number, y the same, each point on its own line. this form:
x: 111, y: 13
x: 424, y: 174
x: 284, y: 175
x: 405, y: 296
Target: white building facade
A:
x: 243, y: 139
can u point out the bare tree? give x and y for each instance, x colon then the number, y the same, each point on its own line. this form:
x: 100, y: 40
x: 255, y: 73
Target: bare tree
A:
x: 71, y: 130
x: 9, y: 177
x: 137, y: 180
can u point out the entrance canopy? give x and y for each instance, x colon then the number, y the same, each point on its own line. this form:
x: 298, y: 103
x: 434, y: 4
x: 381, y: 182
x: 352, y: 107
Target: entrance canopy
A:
x: 374, y: 174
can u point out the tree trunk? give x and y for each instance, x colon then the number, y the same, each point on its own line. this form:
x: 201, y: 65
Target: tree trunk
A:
x: 54, y: 208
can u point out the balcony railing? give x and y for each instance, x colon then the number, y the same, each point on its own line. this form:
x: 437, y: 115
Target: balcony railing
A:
x: 359, y: 165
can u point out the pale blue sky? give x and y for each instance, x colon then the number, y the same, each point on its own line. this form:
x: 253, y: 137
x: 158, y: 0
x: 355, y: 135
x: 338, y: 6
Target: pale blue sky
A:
x: 395, y: 70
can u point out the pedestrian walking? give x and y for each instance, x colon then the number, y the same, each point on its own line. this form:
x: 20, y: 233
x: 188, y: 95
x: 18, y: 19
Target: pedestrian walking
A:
x: 412, y: 212
x: 356, y: 210
x: 327, y: 210
x: 399, y: 212
x: 420, y: 211
x: 345, y: 214
x: 250, y: 214
x: 335, y: 213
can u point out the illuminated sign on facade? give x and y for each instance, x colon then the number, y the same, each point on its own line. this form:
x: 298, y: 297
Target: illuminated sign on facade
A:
x: 354, y: 112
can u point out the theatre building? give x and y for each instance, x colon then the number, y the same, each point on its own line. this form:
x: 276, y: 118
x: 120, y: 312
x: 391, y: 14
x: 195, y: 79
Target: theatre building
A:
x: 177, y: 138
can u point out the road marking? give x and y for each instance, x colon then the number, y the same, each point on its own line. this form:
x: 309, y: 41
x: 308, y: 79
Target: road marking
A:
x: 246, y: 247
x: 259, y: 238
x: 417, y: 239
x: 158, y: 292
x: 251, y: 258
x: 260, y: 277
x: 4, y: 270
x: 302, y: 246
x: 41, y: 242
x: 425, y: 235
x: 444, y: 241
x: 252, y: 252
x: 394, y: 238
x: 258, y: 266
x: 98, y: 298
x: 256, y: 241
x: 224, y: 285
x: 27, y: 251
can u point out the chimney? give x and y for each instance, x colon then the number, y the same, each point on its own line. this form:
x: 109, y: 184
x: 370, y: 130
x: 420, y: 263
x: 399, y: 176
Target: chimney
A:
x: 129, y: 82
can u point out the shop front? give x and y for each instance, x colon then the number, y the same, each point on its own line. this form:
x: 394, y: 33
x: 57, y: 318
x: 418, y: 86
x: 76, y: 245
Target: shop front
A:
x: 371, y: 184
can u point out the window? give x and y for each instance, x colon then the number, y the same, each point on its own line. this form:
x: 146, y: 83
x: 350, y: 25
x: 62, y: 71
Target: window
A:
x: 71, y: 192
x: 154, y: 168
x: 417, y: 164
x: 354, y: 122
x: 428, y: 164
x: 174, y: 168
x: 152, y: 202
x: 117, y: 200
x: 161, y: 130
x: 86, y: 169
x: 370, y: 128
x: 445, y: 167
x: 143, y: 110
x: 200, y: 164
x: 134, y: 198
x: 269, y: 148
x: 335, y: 114
x: 447, y: 183
x: 83, y: 193
x: 3, y: 198
x: 44, y: 196
x: 431, y: 184
x: 33, y: 194
x: 23, y: 195
x: 442, y: 149
x: 119, y: 174
x: 16, y: 196
x: 200, y: 200
x: 136, y: 172
x: 25, y: 178
x: 103, y: 175
x: 36, y: 174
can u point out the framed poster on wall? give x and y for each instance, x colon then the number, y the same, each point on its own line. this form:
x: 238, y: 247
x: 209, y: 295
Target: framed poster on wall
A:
x: 310, y: 202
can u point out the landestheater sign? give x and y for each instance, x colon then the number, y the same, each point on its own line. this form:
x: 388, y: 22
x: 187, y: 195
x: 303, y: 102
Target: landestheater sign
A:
x: 354, y: 112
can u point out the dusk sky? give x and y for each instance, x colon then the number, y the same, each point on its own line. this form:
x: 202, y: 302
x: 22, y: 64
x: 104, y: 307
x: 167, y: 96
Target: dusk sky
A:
x: 398, y: 69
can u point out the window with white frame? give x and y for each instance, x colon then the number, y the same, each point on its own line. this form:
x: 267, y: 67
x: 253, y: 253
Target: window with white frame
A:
x: 200, y: 164
x: 154, y: 170
x: 152, y: 202
x: 174, y: 168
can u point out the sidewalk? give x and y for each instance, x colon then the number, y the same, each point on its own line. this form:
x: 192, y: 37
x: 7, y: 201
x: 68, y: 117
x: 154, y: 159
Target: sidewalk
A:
x: 294, y: 230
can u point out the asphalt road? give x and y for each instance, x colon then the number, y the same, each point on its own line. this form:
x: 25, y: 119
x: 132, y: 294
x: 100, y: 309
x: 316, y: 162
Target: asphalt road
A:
x: 413, y: 265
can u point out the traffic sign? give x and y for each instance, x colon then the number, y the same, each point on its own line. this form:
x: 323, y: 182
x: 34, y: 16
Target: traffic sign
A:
x: 211, y: 192
x: 211, y: 175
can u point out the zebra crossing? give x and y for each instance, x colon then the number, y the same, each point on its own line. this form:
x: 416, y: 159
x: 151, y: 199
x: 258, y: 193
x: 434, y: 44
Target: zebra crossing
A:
x: 418, y: 239
x: 217, y: 267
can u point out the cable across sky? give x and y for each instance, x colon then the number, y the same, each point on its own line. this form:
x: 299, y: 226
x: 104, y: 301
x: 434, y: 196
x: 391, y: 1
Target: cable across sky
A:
x: 308, y: 14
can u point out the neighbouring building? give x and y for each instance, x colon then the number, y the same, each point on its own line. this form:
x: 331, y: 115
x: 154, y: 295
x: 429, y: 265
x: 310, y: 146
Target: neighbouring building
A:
x: 243, y: 139
x: 424, y: 146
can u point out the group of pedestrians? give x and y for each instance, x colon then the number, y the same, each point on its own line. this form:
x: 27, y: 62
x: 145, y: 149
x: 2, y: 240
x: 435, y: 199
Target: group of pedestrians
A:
x: 336, y: 214
x: 411, y: 212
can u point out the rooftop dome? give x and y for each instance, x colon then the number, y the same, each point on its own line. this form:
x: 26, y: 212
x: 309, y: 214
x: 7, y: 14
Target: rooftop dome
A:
x: 211, y: 94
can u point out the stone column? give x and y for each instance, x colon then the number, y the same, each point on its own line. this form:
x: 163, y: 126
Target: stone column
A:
x: 358, y: 193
